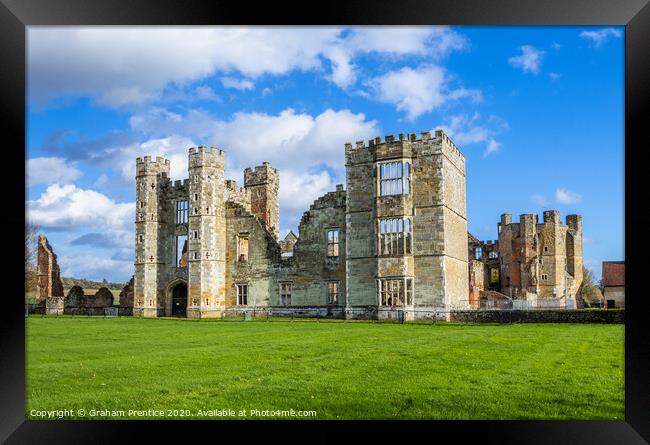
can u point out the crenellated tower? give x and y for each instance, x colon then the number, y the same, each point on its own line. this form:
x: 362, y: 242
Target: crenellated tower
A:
x: 263, y: 183
x: 406, y: 225
x: 150, y: 258
x: 206, y: 233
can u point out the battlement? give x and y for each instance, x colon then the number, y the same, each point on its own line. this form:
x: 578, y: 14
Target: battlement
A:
x: 388, y: 139
x: 404, y: 140
x: 574, y: 222
x: 207, y: 150
x: 552, y: 216
x: 261, y: 174
x: 149, y: 166
x: 447, y: 142
x: 184, y: 183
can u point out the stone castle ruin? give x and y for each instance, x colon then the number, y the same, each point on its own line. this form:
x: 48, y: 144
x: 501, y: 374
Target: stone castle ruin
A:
x: 536, y: 262
x: 392, y: 244
x: 394, y: 238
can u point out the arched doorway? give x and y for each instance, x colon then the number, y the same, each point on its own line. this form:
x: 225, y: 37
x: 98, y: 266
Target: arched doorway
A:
x: 179, y: 300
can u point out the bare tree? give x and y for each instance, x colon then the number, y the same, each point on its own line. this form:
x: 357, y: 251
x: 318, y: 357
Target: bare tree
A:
x: 589, y: 290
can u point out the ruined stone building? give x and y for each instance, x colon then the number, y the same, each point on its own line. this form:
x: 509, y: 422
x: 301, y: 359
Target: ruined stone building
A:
x: 395, y: 238
x: 49, y: 288
x: 532, y: 260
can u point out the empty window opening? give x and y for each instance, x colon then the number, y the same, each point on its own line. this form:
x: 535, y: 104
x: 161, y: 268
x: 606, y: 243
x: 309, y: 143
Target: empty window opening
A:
x: 332, y: 292
x: 196, y: 234
x: 181, y: 212
x: 196, y: 197
x: 395, y: 236
x: 394, y: 178
x: 333, y: 243
x: 141, y: 238
x: 395, y: 291
x: 142, y: 204
x: 196, y: 255
x: 242, y: 248
x: 285, y: 293
x: 181, y: 251
x: 242, y: 294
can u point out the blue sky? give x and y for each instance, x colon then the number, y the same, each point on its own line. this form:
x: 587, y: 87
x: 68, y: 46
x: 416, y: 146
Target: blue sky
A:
x: 537, y: 111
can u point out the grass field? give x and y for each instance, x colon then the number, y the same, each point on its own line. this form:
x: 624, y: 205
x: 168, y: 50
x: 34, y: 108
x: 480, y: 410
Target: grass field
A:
x: 339, y: 370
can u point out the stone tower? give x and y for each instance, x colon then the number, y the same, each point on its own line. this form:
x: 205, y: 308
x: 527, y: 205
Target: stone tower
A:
x: 541, y: 258
x: 406, y: 224
x: 263, y: 183
x: 206, y: 233
x: 151, y: 177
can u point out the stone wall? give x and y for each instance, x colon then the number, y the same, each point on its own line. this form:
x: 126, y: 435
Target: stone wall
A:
x: 258, y: 271
x: 542, y: 258
x: 312, y: 269
x: 432, y: 200
x: 48, y: 273
x: 616, y: 293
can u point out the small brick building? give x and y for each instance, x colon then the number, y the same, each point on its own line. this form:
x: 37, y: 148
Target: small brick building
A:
x: 614, y: 284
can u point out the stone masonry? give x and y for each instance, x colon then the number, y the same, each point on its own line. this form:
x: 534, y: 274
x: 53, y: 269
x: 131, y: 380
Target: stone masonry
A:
x: 49, y: 288
x: 532, y: 260
x: 395, y: 238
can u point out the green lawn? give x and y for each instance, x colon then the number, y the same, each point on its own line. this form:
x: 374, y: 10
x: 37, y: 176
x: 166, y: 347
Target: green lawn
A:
x: 340, y: 370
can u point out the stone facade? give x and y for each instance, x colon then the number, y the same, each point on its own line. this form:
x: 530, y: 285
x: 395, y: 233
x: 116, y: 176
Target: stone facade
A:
x: 395, y: 238
x: 536, y: 261
x: 48, y: 274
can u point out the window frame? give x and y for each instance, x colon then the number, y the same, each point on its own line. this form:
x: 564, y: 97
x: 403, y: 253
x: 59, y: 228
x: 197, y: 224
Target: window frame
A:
x: 337, y: 284
x: 394, y: 236
x: 394, y: 177
x: 182, y: 213
x: 400, y: 289
x: 240, y: 238
x: 283, y: 285
x: 242, y: 290
x: 335, y: 242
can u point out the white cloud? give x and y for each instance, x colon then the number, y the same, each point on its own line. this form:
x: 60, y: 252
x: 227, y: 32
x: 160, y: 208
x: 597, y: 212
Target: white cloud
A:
x: 299, y: 190
x: 287, y: 139
x: 67, y: 206
x: 50, y: 170
x: 417, y: 91
x: 554, y: 76
x: 492, y: 147
x: 564, y: 196
x: 237, y: 84
x: 540, y: 200
x: 206, y: 93
x: 120, y: 66
x: 468, y: 130
x: 530, y: 59
x: 94, y: 267
x: 308, y: 150
x: 556, y: 46
x: 601, y: 36
x: 101, y: 181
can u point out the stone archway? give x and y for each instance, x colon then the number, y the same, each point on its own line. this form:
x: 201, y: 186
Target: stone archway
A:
x: 177, y: 292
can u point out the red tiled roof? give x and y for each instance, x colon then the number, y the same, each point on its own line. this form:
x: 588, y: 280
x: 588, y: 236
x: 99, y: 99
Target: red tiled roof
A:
x: 613, y: 273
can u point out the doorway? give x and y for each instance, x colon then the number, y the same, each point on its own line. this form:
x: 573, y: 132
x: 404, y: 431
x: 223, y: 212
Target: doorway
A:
x: 179, y: 300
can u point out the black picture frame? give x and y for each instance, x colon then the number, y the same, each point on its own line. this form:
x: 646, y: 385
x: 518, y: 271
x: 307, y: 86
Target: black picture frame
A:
x: 15, y: 15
